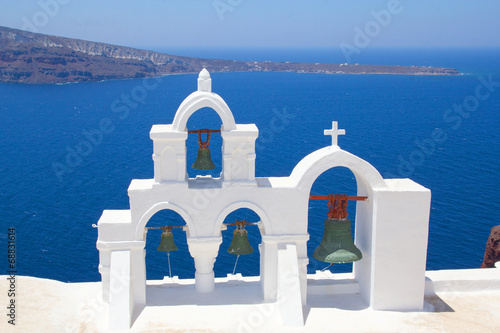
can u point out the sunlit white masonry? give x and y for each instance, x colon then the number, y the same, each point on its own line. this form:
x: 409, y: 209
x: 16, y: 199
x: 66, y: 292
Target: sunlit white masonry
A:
x: 391, y: 226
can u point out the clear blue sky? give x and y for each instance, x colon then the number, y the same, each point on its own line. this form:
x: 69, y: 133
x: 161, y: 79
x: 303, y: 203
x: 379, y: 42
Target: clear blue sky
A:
x: 160, y: 24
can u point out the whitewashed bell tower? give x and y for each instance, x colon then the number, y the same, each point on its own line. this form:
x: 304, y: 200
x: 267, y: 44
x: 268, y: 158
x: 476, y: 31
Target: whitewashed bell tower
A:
x: 391, y: 225
x: 169, y: 141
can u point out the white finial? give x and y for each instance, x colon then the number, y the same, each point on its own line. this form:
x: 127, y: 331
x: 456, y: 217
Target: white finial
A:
x: 204, y: 74
x: 335, y: 132
x: 204, y: 81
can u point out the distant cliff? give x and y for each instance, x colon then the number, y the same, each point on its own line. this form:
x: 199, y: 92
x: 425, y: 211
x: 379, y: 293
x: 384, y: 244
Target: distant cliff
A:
x: 27, y: 57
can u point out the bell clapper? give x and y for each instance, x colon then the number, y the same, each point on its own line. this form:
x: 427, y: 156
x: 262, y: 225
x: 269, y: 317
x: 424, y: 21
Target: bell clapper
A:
x: 236, y: 263
x: 326, y: 267
x: 169, y: 269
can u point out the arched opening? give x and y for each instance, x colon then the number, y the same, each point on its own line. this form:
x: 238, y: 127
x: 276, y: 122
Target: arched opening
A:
x: 204, y: 118
x: 338, y: 180
x: 181, y: 262
x: 248, y: 265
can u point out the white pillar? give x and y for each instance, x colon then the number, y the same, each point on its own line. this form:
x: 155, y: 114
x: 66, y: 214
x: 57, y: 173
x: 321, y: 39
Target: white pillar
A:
x: 289, y: 289
x: 268, y: 268
x: 302, y: 264
x: 238, y: 154
x: 399, y: 247
x: 269, y: 263
x: 363, y: 230
x: 125, y: 289
x: 204, y: 250
x: 104, y: 263
x: 169, y: 153
x: 138, y: 273
x: 121, y: 304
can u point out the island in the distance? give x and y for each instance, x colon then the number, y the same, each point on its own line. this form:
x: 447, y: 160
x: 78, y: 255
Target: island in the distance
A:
x: 27, y: 57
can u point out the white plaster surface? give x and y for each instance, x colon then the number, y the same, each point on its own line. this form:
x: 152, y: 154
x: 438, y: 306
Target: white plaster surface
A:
x: 174, y: 306
x: 464, y: 280
x: 391, y: 226
x: 289, y: 299
x: 120, y: 266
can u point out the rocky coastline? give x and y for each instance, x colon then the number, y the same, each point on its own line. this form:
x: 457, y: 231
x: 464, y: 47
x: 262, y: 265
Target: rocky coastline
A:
x: 33, y: 58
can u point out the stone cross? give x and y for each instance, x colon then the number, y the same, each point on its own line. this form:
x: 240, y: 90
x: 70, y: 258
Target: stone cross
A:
x: 335, y: 132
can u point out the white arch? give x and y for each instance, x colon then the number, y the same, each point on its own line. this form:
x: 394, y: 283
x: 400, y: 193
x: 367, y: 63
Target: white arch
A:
x: 313, y: 165
x: 139, y: 230
x: 242, y: 204
x: 202, y: 99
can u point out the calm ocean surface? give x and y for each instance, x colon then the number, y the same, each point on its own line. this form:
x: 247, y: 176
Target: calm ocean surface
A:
x: 389, y: 122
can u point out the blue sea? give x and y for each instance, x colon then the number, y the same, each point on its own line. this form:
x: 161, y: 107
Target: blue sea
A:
x: 442, y: 132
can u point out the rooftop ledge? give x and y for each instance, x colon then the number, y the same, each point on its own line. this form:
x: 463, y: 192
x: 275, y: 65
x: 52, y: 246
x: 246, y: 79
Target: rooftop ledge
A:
x: 456, y: 301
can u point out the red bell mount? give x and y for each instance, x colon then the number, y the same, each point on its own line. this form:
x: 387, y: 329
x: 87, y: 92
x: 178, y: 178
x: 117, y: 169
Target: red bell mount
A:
x: 208, y: 132
x: 337, y: 204
x: 240, y: 224
x: 166, y: 227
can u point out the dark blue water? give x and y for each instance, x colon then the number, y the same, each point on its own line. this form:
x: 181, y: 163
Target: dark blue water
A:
x: 405, y: 126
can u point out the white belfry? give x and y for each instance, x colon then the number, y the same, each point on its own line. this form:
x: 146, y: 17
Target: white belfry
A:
x: 335, y: 132
x: 391, y: 226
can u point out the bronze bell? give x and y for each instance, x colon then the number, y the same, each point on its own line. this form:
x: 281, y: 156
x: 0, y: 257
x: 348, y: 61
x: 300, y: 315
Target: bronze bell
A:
x: 203, y: 160
x: 167, y: 242
x: 240, y: 244
x: 337, y: 245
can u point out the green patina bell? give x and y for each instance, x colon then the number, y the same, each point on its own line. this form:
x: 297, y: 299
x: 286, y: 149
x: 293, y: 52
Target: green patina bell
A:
x: 203, y: 160
x: 167, y: 242
x: 240, y: 244
x: 337, y: 245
